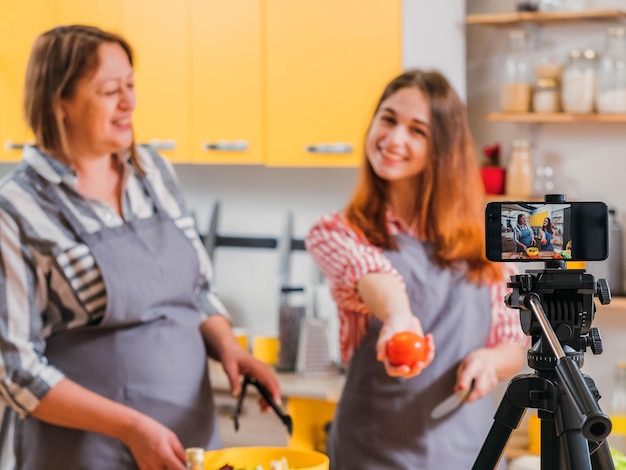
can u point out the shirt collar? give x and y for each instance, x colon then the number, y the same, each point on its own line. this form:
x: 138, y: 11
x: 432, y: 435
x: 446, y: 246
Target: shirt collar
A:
x: 53, y: 169
x: 396, y: 224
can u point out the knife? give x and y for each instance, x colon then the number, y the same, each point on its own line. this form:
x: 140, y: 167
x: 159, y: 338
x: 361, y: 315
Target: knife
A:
x: 451, y: 403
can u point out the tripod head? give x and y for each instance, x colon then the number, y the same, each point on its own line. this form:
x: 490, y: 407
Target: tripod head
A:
x: 567, y: 298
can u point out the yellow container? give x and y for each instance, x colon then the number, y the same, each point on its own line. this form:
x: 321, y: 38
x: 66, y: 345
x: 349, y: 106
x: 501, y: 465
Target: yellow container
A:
x: 266, y: 348
x: 249, y: 457
x: 534, y: 434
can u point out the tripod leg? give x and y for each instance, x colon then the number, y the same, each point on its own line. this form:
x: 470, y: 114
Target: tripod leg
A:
x: 575, y: 451
x: 550, y: 446
x: 562, y: 449
x: 601, y: 457
x: 507, y: 418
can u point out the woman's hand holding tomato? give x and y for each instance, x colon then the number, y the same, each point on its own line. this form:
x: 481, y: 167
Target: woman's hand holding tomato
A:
x: 403, y: 347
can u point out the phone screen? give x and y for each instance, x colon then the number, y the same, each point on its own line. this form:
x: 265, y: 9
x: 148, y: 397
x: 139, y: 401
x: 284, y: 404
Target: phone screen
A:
x: 541, y: 231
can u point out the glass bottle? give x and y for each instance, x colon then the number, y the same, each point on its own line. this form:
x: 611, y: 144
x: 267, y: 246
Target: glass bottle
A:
x: 578, y: 85
x: 519, y: 172
x: 611, y: 92
x: 195, y: 458
x: 515, y: 88
x: 551, y: 5
x: 574, y: 5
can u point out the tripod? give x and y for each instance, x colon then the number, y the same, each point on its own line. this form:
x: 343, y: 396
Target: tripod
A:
x: 573, y: 427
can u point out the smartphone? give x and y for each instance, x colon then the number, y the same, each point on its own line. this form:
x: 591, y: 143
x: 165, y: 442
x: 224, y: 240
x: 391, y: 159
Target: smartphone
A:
x: 541, y: 231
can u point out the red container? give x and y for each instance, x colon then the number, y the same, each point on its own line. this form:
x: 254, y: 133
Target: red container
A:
x: 493, y: 179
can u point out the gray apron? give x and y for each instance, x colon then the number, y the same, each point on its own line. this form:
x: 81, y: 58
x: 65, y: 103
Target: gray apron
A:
x: 382, y: 422
x: 146, y: 352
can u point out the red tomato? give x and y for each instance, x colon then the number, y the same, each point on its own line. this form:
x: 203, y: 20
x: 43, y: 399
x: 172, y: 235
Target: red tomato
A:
x: 406, y: 348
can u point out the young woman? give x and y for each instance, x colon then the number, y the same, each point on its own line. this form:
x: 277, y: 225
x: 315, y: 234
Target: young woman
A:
x: 407, y: 253
x: 547, y: 235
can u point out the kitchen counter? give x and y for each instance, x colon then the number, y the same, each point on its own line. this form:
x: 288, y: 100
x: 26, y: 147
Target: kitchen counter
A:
x: 326, y: 387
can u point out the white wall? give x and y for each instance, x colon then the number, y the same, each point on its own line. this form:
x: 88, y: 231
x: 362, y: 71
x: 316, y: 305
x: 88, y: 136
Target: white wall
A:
x: 434, y: 37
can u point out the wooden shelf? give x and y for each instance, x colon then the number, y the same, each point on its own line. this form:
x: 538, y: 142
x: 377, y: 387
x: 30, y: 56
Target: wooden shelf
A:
x: 516, y: 18
x: 555, y: 117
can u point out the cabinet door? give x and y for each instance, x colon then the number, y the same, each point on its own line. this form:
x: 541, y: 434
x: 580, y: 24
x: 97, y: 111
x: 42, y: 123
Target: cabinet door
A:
x: 157, y: 30
x: 226, y: 81
x: 104, y: 14
x: 20, y: 23
x: 327, y: 63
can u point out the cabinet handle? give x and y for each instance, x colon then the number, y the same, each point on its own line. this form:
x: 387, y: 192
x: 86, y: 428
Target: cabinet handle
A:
x: 335, y: 147
x: 226, y: 145
x: 10, y: 145
x: 158, y: 144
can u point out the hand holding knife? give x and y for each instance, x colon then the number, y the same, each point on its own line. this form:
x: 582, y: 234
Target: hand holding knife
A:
x: 451, y: 403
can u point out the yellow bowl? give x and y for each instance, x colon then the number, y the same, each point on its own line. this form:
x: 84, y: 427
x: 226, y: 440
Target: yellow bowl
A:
x: 249, y: 457
x: 532, y: 251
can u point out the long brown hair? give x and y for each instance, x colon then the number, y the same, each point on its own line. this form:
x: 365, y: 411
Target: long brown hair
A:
x: 59, y: 58
x: 450, y: 194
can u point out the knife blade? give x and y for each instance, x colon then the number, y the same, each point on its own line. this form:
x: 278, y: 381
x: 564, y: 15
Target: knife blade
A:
x: 451, y: 403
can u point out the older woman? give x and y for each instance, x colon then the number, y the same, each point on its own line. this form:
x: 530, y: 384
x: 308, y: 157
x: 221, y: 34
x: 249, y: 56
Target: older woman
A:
x: 108, y: 308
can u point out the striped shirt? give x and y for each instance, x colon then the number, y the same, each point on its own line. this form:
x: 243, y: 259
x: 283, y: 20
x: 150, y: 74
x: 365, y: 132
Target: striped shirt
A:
x: 49, y: 280
x: 345, y: 256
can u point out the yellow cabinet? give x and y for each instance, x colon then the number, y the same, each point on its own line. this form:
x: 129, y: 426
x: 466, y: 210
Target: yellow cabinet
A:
x: 327, y: 63
x: 20, y: 23
x: 105, y: 14
x: 158, y: 32
x: 288, y: 83
x: 226, y: 82
x: 271, y: 82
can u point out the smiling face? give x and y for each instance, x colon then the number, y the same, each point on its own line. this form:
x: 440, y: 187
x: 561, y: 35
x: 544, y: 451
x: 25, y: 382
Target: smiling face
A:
x: 397, y: 144
x: 97, y: 117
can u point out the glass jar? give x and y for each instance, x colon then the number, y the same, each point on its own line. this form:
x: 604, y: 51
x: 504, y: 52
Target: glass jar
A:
x: 574, y: 5
x: 516, y: 82
x: 578, y: 84
x: 611, y: 90
x: 551, y: 5
x: 546, y: 96
x: 519, y: 172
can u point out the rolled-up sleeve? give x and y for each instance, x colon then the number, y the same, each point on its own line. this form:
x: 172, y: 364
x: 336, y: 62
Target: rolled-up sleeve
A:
x: 345, y: 257
x: 25, y: 375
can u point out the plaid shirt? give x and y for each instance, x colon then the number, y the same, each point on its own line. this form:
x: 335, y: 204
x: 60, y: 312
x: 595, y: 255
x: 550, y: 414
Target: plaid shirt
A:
x: 345, y: 257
